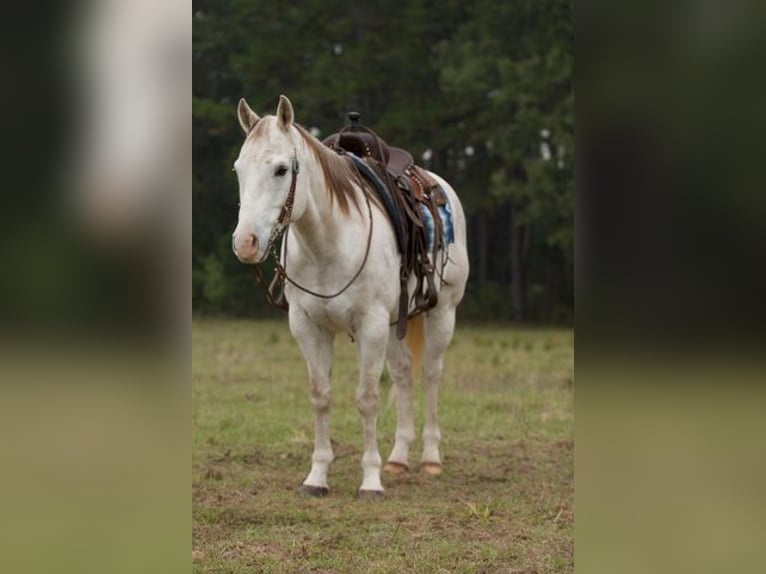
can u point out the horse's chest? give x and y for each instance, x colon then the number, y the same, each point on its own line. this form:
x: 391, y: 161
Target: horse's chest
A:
x: 335, y: 315
x: 371, y: 293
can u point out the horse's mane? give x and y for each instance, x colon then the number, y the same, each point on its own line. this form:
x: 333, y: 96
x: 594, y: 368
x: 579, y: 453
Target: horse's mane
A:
x: 340, y: 177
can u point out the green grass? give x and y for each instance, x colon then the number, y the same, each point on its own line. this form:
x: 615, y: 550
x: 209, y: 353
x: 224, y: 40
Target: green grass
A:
x: 503, y: 504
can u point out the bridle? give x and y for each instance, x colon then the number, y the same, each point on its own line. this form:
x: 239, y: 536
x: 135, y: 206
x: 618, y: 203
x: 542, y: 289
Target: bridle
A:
x: 283, y: 221
x: 280, y: 271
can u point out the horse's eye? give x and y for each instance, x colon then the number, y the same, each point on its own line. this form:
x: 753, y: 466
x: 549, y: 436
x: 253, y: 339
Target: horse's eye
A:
x: 280, y: 171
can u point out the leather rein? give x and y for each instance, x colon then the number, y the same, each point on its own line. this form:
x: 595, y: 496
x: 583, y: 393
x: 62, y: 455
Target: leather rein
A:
x: 275, y: 292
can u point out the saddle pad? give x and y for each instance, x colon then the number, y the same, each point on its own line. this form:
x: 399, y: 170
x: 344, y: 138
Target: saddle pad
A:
x: 445, y: 212
x: 385, y: 196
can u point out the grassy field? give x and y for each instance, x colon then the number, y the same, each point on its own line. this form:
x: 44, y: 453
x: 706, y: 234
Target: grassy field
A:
x: 503, y: 504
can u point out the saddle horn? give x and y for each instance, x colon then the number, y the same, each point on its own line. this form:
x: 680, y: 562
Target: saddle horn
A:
x: 353, y: 119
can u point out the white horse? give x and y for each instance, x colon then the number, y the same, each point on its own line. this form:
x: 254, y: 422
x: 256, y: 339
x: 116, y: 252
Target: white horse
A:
x: 329, y: 229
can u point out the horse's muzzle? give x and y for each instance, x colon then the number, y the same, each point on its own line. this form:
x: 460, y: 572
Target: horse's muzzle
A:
x: 245, y: 247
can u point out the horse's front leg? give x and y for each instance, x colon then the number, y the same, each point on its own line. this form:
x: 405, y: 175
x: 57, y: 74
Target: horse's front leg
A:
x: 372, y: 339
x: 316, y: 345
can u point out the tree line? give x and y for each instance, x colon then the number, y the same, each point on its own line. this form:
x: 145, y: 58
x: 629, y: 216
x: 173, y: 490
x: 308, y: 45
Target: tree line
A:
x: 480, y: 92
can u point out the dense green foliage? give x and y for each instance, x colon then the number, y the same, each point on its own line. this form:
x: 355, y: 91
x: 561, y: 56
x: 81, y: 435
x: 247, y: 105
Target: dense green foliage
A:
x: 486, y: 86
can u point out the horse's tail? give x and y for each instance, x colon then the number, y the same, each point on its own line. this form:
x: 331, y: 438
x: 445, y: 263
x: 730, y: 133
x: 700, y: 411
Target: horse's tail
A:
x: 416, y: 342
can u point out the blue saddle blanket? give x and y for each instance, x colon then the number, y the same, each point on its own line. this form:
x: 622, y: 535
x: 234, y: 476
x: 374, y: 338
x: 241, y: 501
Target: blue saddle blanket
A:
x: 445, y: 212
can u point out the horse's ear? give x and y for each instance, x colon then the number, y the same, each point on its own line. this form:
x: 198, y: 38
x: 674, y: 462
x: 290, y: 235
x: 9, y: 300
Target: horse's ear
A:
x: 247, y: 117
x: 285, y: 112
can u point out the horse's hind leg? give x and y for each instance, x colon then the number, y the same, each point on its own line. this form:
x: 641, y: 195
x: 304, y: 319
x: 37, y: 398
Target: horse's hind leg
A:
x: 400, y: 369
x: 440, y: 326
x: 316, y: 345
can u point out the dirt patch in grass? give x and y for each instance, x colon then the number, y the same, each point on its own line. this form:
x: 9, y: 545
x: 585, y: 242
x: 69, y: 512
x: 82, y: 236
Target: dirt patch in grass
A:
x: 493, y: 509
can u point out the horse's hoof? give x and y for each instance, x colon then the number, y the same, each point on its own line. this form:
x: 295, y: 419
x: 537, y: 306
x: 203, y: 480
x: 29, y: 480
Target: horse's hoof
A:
x: 396, y: 468
x: 431, y: 468
x: 314, y: 491
x: 370, y: 495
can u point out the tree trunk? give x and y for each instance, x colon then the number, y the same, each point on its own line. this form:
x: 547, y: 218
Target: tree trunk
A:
x: 551, y: 296
x: 517, y: 267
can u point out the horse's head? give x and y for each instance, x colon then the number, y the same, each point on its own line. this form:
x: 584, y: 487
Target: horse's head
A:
x: 265, y: 173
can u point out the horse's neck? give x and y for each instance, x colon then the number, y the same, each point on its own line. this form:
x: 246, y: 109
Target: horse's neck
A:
x: 319, y: 228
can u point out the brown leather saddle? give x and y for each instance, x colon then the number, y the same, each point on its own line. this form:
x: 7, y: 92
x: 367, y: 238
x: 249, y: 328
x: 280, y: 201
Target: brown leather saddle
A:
x: 403, y: 189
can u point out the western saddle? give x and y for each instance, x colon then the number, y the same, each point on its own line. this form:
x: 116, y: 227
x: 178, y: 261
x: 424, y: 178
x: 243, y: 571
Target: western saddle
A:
x: 402, y: 188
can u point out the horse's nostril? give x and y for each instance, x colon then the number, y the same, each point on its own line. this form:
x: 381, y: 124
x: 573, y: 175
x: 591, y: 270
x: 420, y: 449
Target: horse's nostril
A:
x: 253, y: 240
